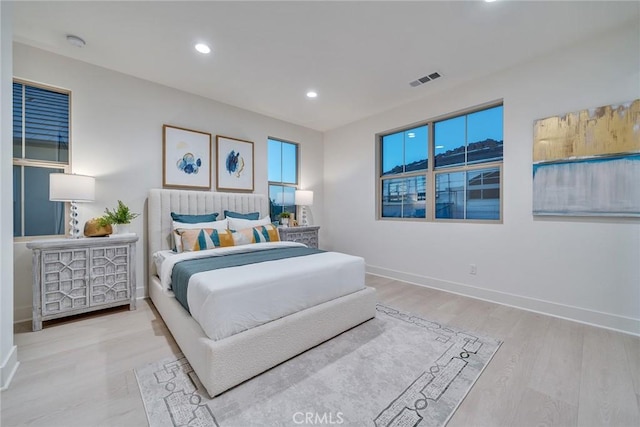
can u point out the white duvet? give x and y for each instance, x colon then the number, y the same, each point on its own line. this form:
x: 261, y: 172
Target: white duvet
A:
x: 231, y: 300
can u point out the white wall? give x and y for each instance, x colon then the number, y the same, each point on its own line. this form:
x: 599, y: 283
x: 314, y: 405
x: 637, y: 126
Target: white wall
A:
x: 117, y: 137
x: 8, y: 351
x: 585, y: 269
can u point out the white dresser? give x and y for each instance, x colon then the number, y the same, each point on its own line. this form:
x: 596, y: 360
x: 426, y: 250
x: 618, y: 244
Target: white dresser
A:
x: 73, y: 276
x: 307, y: 235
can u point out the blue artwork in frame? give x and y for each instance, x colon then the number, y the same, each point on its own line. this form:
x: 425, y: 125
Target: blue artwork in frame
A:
x: 235, y: 164
x: 186, y: 158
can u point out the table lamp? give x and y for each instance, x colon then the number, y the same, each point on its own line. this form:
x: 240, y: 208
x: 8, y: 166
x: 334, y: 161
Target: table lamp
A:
x: 303, y: 199
x: 66, y: 187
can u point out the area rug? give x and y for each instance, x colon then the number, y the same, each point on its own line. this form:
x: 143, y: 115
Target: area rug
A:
x: 394, y: 370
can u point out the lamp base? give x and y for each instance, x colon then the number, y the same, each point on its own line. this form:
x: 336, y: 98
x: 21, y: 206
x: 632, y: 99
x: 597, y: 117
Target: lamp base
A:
x: 305, y: 220
x: 74, y: 231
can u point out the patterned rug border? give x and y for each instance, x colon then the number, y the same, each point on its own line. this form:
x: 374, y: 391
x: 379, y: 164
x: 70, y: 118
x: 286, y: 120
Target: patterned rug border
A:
x: 407, y: 317
x: 473, y: 383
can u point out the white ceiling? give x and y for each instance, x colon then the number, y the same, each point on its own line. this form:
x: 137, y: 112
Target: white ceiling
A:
x: 359, y: 56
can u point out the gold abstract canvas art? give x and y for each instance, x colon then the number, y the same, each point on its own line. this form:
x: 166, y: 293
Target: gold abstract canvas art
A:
x: 588, y: 162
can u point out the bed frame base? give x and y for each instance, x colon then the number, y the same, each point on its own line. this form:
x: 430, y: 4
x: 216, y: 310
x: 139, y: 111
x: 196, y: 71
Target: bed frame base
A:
x: 223, y: 364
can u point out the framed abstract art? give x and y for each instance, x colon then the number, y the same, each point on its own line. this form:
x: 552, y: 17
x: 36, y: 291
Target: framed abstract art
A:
x: 235, y: 164
x: 186, y: 158
x: 587, y: 163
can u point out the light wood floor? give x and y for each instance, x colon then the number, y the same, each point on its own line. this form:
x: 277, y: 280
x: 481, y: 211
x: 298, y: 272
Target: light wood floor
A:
x: 548, y: 372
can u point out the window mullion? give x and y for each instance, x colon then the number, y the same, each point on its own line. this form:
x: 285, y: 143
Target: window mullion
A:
x: 22, y: 231
x: 430, y: 175
x: 466, y: 140
x: 23, y: 150
x: 464, y: 192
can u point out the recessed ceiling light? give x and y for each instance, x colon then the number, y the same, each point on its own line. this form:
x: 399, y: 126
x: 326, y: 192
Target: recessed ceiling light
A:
x: 489, y: 1
x: 203, y: 48
x: 75, y: 41
x: 312, y: 94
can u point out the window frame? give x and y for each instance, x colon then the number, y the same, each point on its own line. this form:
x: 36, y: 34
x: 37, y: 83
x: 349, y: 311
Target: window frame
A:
x: 282, y: 183
x: 475, y: 166
x: 431, y: 172
x: 45, y: 164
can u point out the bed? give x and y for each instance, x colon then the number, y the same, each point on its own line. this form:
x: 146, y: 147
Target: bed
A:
x: 223, y: 363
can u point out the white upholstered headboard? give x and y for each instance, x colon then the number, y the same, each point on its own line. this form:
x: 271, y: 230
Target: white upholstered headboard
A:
x: 163, y: 202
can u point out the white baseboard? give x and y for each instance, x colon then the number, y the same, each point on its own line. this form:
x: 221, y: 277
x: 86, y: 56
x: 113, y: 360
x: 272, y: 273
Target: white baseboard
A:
x: 141, y: 292
x: 22, y: 314
x: 9, y: 368
x: 600, y: 319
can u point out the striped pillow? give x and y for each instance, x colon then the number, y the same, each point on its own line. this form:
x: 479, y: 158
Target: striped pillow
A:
x: 259, y: 234
x: 204, y: 238
x: 177, y: 240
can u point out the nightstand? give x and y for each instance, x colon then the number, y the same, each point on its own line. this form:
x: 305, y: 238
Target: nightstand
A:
x: 73, y: 276
x: 307, y: 235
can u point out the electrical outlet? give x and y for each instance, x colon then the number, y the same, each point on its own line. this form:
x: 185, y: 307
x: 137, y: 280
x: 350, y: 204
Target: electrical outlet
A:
x: 473, y: 269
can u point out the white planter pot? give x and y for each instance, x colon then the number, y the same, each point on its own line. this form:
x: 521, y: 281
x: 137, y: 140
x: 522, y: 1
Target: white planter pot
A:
x: 121, y: 228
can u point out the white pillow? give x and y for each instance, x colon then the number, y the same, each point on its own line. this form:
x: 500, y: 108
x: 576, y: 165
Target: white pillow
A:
x: 177, y: 240
x: 159, y: 257
x: 240, y: 224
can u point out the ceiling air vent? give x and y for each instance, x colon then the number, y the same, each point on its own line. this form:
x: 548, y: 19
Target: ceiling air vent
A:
x: 424, y: 79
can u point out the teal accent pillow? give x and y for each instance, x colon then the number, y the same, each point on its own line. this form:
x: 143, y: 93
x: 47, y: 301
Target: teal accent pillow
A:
x: 252, y: 215
x: 194, y: 219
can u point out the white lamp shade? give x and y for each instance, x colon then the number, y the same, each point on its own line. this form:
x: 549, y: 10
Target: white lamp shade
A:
x: 304, y: 197
x: 66, y: 187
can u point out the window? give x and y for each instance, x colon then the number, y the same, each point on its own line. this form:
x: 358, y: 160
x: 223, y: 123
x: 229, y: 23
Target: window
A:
x: 404, y: 154
x: 462, y: 182
x: 40, y: 147
x: 283, y: 176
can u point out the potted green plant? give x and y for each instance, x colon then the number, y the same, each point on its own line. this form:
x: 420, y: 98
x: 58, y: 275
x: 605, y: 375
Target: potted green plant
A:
x: 284, y: 218
x: 119, y: 217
